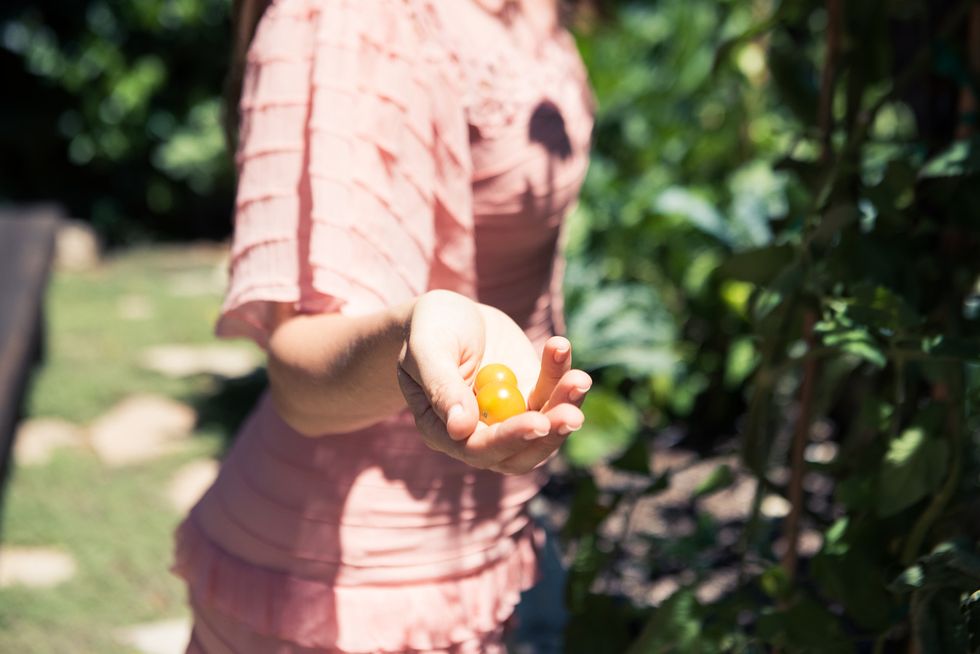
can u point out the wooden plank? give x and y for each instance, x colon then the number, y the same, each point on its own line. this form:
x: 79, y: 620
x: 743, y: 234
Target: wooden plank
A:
x: 26, y: 250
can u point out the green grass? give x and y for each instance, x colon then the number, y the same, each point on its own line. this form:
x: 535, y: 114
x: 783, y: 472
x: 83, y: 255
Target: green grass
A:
x: 94, y: 353
x: 116, y: 522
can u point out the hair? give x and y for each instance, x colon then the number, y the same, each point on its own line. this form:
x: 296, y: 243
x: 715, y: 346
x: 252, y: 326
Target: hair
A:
x: 245, y: 16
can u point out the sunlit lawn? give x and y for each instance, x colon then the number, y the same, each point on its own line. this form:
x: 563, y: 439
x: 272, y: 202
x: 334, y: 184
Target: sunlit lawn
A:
x: 116, y: 522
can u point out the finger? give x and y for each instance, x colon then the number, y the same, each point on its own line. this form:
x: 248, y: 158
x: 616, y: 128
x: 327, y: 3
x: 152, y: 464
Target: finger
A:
x: 490, y: 445
x: 565, y: 419
x: 446, y: 391
x: 430, y: 425
x: 556, y: 360
x: 484, y: 447
x: 570, y: 389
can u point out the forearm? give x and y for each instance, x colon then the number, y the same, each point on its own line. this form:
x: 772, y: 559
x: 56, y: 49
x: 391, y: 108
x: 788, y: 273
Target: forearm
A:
x: 331, y: 373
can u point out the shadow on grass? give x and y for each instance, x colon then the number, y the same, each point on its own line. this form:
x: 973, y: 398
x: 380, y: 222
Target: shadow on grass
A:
x: 225, y: 406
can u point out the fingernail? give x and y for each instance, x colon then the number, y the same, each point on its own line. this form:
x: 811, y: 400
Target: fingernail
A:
x: 542, y: 431
x: 454, y: 410
x: 561, y: 355
x: 565, y: 430
x: 577, y: 394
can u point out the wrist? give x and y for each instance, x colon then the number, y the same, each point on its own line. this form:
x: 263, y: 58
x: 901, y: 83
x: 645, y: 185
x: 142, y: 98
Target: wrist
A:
x: 401, y: 317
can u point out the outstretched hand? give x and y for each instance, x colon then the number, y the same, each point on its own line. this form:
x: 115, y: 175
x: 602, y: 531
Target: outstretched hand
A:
x: 448, y: 339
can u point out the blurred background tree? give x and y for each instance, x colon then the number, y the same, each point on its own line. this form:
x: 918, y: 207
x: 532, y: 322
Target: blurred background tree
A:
x: 113, y: 108
x: 776, y: 248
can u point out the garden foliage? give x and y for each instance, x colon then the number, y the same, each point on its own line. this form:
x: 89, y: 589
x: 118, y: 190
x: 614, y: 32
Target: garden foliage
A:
x: 778, y: 238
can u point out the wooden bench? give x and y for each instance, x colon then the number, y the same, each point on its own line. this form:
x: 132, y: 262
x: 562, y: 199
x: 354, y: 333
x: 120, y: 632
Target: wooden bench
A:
x: 26, y: 250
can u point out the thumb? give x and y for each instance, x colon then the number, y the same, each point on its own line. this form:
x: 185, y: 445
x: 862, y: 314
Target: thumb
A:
x: 437, y: 372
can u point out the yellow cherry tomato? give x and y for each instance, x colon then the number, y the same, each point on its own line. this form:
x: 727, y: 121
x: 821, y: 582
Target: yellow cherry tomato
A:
x: 495, y: 372
x: 499, y: 401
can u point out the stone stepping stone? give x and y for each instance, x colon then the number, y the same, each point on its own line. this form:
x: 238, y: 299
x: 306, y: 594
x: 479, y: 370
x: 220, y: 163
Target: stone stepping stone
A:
x: 35, y: 567
x: 190, y: 483
x: 187, y: 360
x: 38, y: 438
x: 198, y: 283
x: 134, y: 307
x: 141, y: 428
x: 77, y: 247
x: 162, y: 637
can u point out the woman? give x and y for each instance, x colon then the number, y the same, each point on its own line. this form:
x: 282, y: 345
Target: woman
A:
x: 404, y: 168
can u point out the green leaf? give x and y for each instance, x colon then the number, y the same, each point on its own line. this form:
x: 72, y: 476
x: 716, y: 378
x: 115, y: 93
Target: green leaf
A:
x: 856, y: 492
x: 881, y: 307
x: 914, y: 466
x: 961, y: 158
x: 636, y: 458
x: 741, y: 361
x: 600, y: 623
x: 834, y: 220
x: 866, y: 350
x: 833, y: 538
x: 754, y: 31
x: 583, y: 570
x: 719, y: 478
x: 848, y: 570
x: 804, y: 628
x: 625, y: 325
x: 758, y: 193
x: 970, y: 608
x: 675, y: 627
x: 609, y: 429
x: 950, y: 565
x: 586, y: 512
x: 795, y: 77
x: 959, y: 348
x: 937, y: 623
x: 759, y: 265
x: 736, y: 295
x: 775, y: 582
x: 695, y: 210
x: 911, y: 578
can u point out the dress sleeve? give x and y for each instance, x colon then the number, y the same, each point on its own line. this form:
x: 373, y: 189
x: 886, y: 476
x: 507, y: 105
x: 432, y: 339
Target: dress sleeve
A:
x: 353, y: 170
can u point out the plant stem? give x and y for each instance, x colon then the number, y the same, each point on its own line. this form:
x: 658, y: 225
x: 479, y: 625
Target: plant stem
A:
x: 797, y: 461
x: 896, y: 423
x: 969, y: 102
x: 955, y: 423
x: 825, y: 115
x: 920, y: 62
x: 801, y: 435
x: 754, y: 448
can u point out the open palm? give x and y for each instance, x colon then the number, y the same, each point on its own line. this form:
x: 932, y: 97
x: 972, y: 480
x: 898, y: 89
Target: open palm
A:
x: 449, y: 339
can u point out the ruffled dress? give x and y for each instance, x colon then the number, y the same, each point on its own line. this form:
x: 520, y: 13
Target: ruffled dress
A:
x: 388, y: 147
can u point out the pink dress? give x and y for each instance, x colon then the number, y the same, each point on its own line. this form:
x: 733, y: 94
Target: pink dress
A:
x: 388, y: 147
